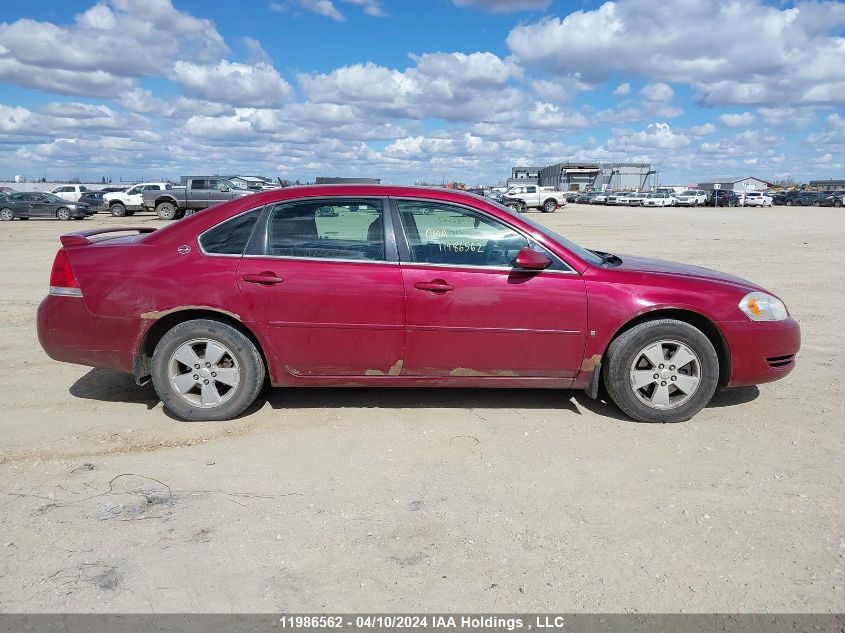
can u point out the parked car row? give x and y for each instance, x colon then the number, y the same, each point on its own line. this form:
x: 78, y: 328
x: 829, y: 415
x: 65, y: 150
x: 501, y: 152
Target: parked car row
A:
x: 810, y: 198
x: 666, y: 197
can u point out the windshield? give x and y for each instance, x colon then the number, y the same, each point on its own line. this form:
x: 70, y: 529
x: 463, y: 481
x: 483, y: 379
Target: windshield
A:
x: 688, y: 193
x: 580, y: 251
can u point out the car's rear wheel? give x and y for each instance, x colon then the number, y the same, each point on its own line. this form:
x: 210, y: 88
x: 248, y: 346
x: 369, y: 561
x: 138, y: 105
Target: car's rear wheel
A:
x: 549, y: 206
x: 6, y: 215
x: 206, y: 370
x: 661, y: 371
x: 837, y: 203
x: 166, y: 211
x: 63, y: 214
x: 117, y: 210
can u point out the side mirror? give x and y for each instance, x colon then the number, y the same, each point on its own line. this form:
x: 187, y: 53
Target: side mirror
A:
x: 529, y: 259
x: 224, y: 188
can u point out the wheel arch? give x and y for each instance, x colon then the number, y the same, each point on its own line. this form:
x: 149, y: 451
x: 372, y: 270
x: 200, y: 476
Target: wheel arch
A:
x: 697, y: 320
x: 167, y: 198
x: 181, y: 315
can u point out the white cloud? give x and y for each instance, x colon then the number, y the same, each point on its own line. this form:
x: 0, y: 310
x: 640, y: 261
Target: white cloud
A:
x: 451, y: 86
x: 504, y: 6
x: 737, y: 119
x: 792, y: 46
x: 655, y: 136
x: 233, y: 83
x: 657, y: 92
x: 105, y: 48
x: 622, y: 90
x: 702, y: 130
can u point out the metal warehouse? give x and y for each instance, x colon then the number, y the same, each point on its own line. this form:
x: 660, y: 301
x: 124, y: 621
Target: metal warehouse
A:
x: 572, y: 176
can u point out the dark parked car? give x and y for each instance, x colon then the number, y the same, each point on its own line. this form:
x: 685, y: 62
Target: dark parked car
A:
x: 34, y: 204
x: 93, y: 199
x: 585, y: 198
x: 806, y: 199
x: 722, y: 198
x: 829, y: 199
x: 429, y: 288
x: 786, y: 198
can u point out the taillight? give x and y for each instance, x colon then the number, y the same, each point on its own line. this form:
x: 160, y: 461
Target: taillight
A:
x: 62, y: 280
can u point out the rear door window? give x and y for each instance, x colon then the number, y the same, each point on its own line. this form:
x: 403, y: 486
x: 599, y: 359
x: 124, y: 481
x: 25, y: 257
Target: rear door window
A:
x: 334, y: 229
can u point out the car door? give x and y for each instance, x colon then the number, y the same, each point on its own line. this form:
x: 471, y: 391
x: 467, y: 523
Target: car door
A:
x: 40, y: 206
x: 469, y: 312
x: 326, y: 288
x: 216, y: 195
x: 134, y: 196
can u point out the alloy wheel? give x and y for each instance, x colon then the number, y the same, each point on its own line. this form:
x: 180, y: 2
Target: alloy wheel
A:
x: 204, y: 373
x: 665, y: 375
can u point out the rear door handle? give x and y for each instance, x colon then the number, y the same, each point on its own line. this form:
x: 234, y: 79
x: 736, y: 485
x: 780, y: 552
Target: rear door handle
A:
x: 265, y: 278
x: 437, y: 285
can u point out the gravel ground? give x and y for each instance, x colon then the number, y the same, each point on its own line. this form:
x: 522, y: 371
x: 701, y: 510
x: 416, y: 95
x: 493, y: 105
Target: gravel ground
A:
x: 403, y: 499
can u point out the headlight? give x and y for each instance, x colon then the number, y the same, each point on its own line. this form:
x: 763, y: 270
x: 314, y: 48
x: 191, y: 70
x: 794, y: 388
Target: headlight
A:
x: 759, y: 306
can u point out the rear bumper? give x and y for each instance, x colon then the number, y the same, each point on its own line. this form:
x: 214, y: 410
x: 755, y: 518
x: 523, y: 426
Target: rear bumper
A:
x: 761, y: 351
x: 68, y: 332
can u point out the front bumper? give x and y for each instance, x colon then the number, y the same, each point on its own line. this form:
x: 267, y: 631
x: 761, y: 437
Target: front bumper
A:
x: 761, y: 351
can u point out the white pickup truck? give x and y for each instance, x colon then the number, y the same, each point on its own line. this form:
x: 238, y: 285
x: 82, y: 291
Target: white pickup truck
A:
x: 524, y: 197
x: 123, y: 203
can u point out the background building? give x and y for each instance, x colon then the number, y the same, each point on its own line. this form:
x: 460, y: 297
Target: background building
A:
x: 569, y: 176
x: 828, y: 185
x: 748, y: 183
x: 326, y: 180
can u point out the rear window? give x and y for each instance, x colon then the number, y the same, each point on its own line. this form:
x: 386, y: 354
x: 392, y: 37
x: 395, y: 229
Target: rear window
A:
x: 230, y: 237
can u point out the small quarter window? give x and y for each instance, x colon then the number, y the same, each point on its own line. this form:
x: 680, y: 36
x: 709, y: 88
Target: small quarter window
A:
x: 230, y: 237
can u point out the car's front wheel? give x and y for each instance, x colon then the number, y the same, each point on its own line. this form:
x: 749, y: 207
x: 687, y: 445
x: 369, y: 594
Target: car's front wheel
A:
x: 117, y: 210
x: 205, y: 370
x: 661, y: 371
x: 63, y: 214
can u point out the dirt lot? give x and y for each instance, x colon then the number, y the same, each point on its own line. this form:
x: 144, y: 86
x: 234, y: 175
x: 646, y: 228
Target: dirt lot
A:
x: 436, y: 499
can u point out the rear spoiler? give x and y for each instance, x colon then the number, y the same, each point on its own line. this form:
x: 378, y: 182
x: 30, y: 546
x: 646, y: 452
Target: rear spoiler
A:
x: 81, y: 237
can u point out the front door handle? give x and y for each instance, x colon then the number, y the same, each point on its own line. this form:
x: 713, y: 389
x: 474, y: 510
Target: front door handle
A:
x: 265, y: 278
x: 438, y: 285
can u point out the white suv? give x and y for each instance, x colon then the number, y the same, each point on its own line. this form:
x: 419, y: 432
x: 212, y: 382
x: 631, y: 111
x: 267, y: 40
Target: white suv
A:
x: 121, y: 203
x: 757, y: 199
x: 691, y: 198
x: 70, y: 193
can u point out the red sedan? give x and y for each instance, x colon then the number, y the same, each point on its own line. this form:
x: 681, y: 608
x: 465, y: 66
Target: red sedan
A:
x: 378, y: 286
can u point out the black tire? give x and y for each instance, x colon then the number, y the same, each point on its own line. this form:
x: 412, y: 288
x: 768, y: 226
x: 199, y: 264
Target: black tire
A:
x: 246, y: 356
x: 521, y: 207
x: 622, y: 352
x: 550, y: 206
x: 166, y: 211
x: 837, y: 203
x: 117, y: 210
x: 817, y: 204
x: 63, y: 214
x: 6, y: 215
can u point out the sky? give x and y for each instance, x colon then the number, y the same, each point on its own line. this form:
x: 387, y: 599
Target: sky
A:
x: 420, y: 90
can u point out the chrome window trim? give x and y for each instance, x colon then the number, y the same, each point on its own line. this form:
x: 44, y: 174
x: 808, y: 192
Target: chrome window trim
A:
x: 495, y: 268
x: 319, y: 259
x: 200, y: 236
x: 530, y: 239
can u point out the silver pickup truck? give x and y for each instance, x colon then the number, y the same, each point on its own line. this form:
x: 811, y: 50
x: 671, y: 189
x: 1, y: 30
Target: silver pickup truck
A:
x: 196, y: 195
